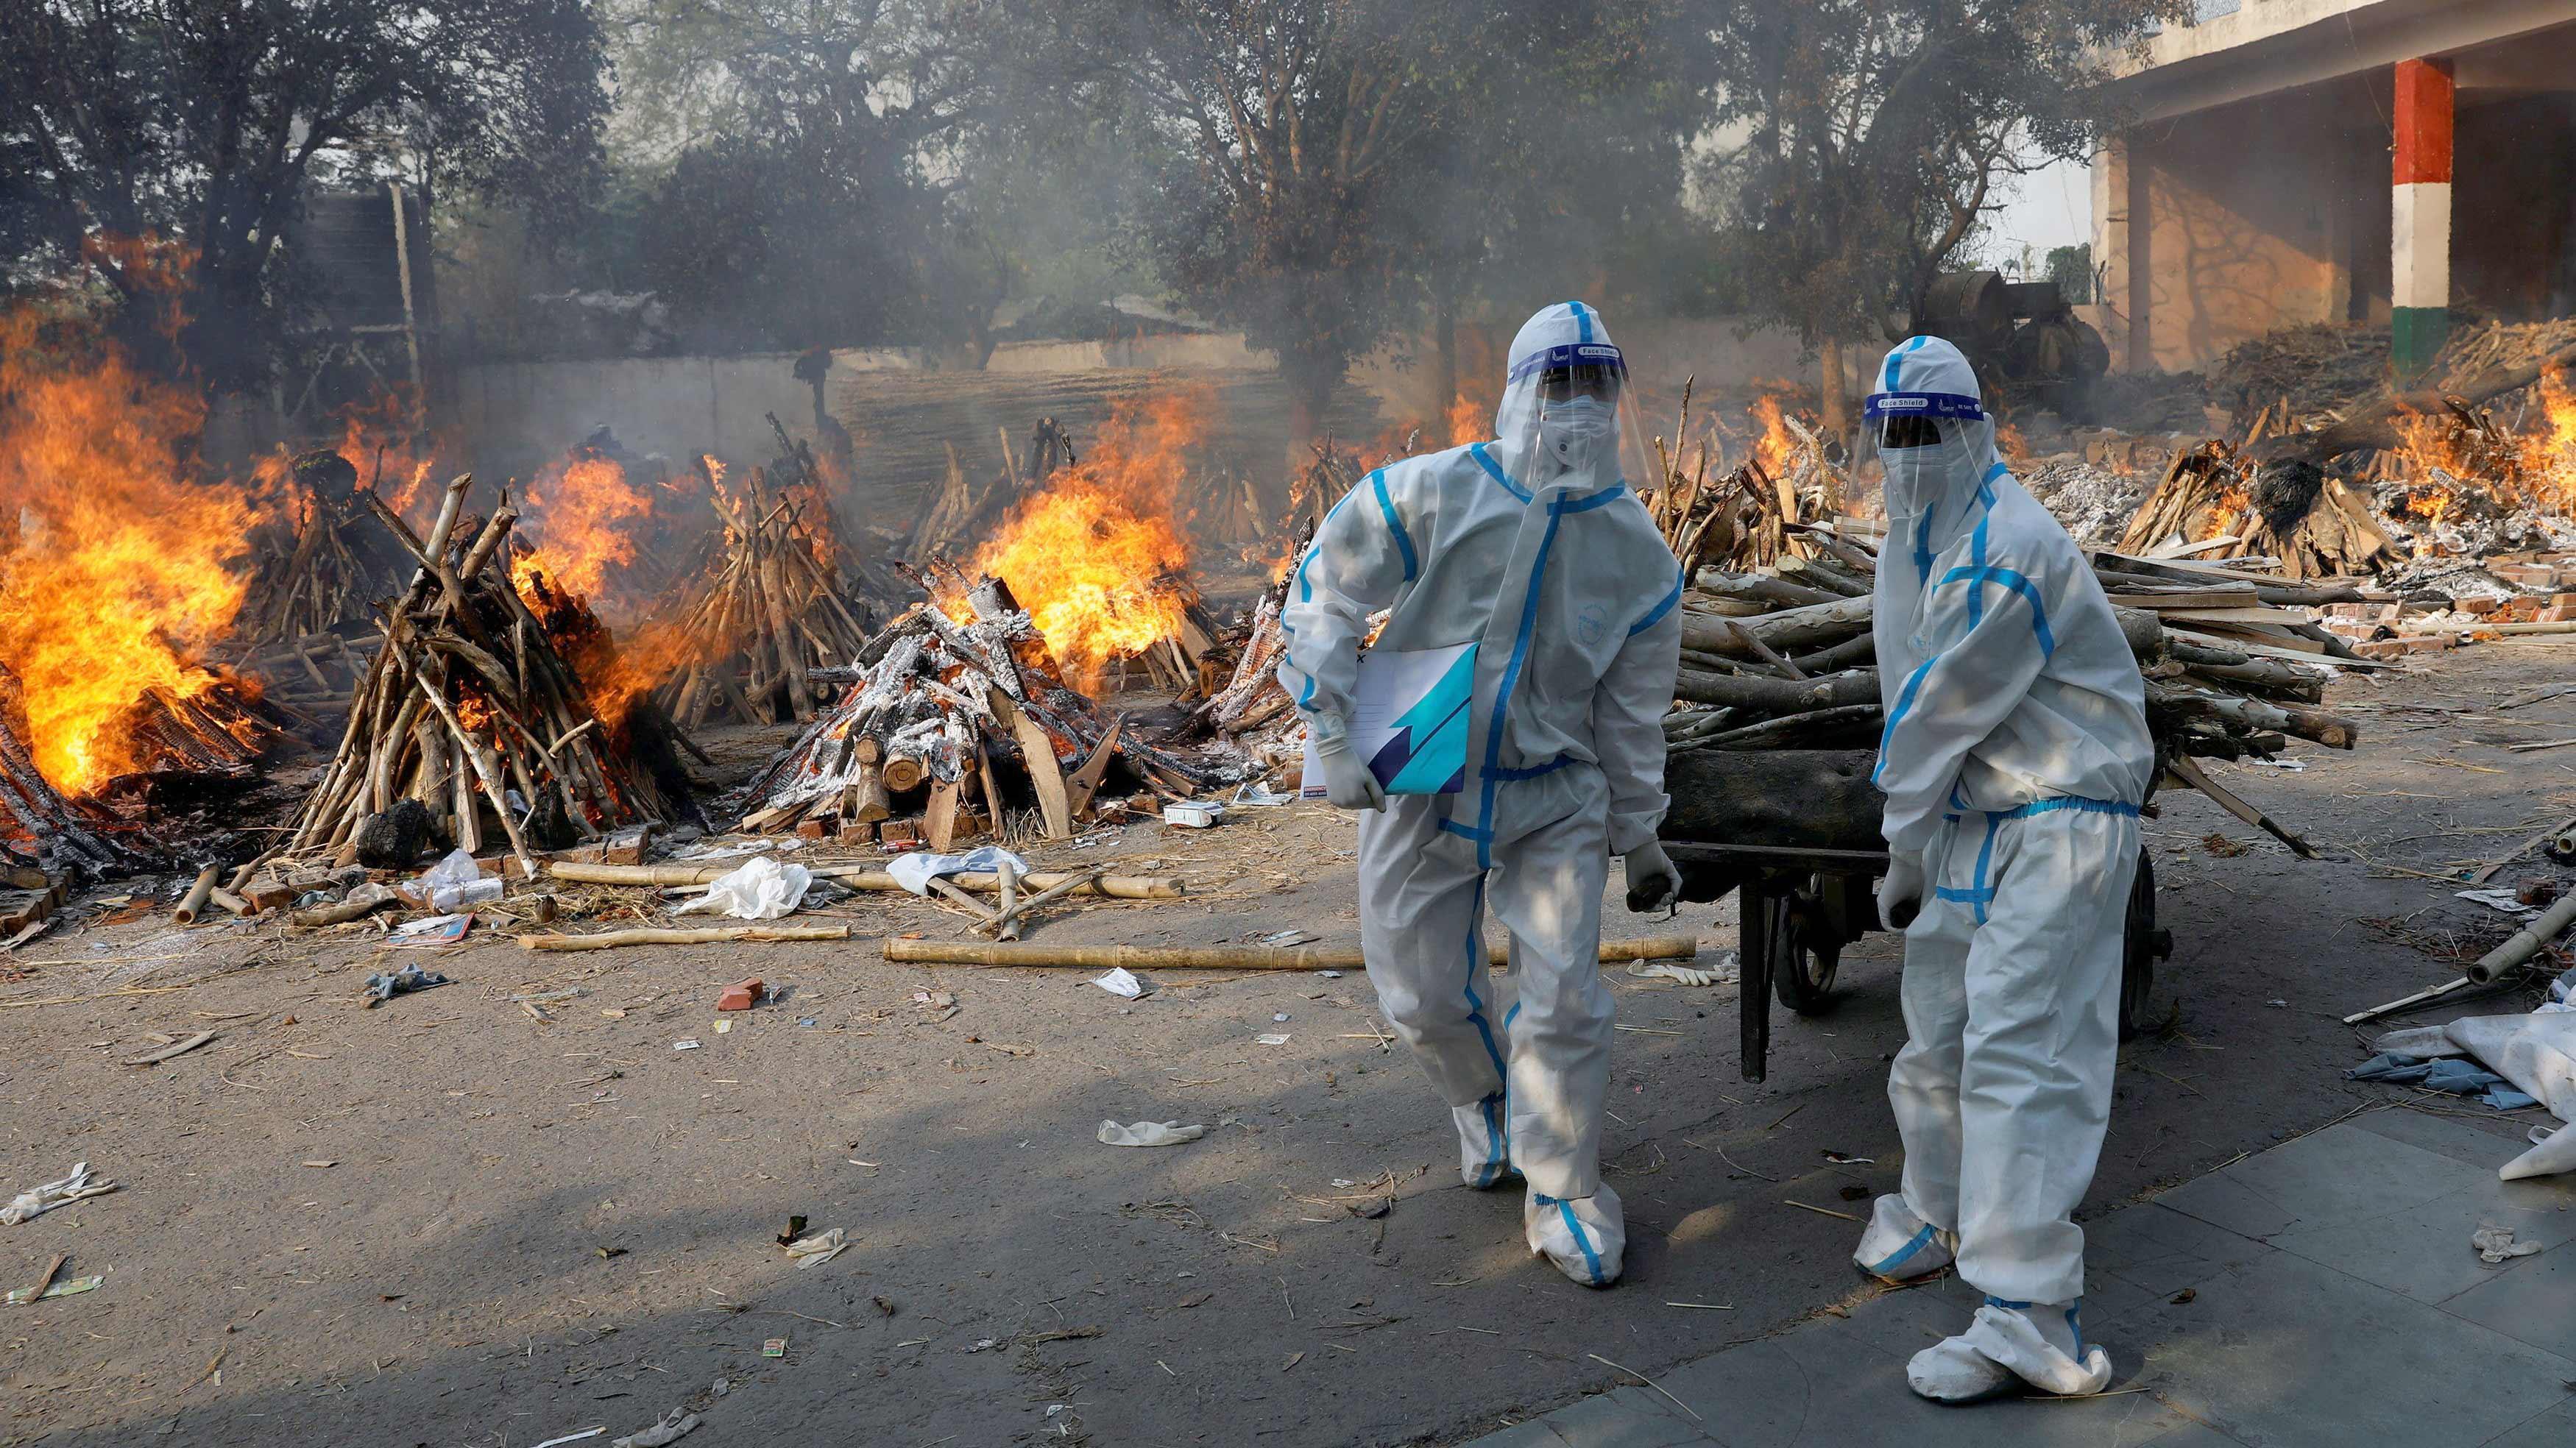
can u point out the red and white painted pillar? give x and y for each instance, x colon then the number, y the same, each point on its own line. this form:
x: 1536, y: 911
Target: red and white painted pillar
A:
x: 2420, y: 216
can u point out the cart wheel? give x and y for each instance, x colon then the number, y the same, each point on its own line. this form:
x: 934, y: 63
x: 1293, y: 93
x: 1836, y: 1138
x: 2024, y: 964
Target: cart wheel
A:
x: 1803, y: 958
x: 2141, y: 946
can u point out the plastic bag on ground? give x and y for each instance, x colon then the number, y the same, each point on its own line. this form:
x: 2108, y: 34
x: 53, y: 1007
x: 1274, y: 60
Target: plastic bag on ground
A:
x: 36, y: 1201
x: 818, y: 1249
x: 456, y: 883
x: 762, y: 889
x: 1149, y: 1133
x: 914, y: 871
x: 670, y: 1430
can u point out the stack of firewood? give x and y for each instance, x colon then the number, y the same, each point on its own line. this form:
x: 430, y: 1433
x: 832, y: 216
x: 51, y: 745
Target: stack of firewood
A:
x: 1748, y: 518
x: 944, y: 730
x: 764, y: 611
x: 470, y: 708
x: 38, y: 826
x: 1783, y: 660
x: 2214, y: 503
x: 309, y: 585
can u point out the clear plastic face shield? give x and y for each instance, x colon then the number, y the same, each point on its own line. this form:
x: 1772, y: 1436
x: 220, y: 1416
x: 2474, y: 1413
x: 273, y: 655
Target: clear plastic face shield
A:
x: 1570, y: 422
x: 1924, y: 447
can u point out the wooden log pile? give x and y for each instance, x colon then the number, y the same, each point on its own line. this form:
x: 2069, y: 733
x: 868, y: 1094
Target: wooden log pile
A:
x: 1784, y: 660
x: 470, y: 709
x: 765, y: 610
x: 39, y: 827
x: 2214, y: 502
x: 309, y: 585
x: 947, y: 729
x: 1750, y: 517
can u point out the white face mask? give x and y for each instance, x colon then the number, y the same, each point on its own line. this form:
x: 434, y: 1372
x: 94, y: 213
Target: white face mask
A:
x: 1913, y: 478
x: 1577, y: 431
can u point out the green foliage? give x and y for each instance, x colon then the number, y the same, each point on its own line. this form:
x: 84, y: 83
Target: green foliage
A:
x: 206, y: 121
x: 1873, y: 131
x: 2071, y: 267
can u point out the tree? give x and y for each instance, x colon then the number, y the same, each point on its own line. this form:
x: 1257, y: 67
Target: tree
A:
x: 1316, y: 171
x: 205, y: 122
x: 2071, y: 267
x: 1873, y: 132
x: 809, y: 188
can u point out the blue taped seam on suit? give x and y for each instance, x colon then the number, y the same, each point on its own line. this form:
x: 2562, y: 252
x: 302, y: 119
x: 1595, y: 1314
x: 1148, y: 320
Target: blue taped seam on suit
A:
x: 1494, y: 470
x: 1503, y: 694
x: 1394, y: 524
x: 2008, y: 578
x: 1904, y: 702
x: 1896, y: 1258
x: 1475, y: 964
x: 1582, y: 321
x: 1655, y: 615
x: 1591, y: 1259
x: 1493, y: 1133
x: 1306, y: 591
x: 2068, y: 801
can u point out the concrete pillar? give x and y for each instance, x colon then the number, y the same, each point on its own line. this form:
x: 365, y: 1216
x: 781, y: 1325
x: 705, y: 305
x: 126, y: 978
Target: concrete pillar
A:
x: 2420, y: 216
x: 2111, y: 258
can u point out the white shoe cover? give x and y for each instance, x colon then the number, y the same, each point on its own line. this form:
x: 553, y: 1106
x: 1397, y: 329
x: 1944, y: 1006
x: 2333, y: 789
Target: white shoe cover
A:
x: 2017, y: 1341
x: 1584, y: 1238
x: 1899, y: 1246
x: 1952, y: 1371
x: 1484, y: 1143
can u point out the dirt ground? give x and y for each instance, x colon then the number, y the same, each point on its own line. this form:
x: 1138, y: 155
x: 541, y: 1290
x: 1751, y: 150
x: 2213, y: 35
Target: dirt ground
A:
x: 446, y: 1222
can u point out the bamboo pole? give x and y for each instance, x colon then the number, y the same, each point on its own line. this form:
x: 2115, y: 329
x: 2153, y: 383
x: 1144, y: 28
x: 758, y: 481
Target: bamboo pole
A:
x: 193, y: 904
x: 714, y: 935
x: 866, y: 877
x: 1042, y: 956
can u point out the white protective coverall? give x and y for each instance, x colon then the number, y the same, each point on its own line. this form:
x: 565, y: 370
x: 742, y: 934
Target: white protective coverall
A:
x: 2014, y: 758
x: 1571, y: 597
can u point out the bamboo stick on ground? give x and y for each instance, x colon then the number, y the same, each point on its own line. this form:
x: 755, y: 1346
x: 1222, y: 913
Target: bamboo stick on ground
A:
x: 869, y: 877
x: 1041, y: 956
x: 712, y: 935
x: 193, y: 904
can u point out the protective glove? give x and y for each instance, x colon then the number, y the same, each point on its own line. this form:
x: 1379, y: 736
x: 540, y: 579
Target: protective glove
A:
x: 1348, y: 781
x: 1900, y: 891
x: 1653, y: 883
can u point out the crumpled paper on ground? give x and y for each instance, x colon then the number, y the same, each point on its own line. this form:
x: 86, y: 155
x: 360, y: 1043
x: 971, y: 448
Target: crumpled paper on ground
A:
x: 762, y: 889
x: 454, y: 882
x: 818, y: 1249
x: 915, y: 870
x: 36, y: 1201
x: 1120, y: 981
x: 1149, y: 1133
x: 670, y: 1430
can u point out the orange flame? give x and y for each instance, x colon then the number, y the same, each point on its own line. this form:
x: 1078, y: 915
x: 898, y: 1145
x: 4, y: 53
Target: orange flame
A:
x: 1089, y: 556
x: 582, y: 516
x: 119, y: 570
x: 1771, y: 449
x: 2010, y: 442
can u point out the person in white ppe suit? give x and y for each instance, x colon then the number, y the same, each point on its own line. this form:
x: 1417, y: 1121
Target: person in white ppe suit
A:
x: 2014, y: 757
x: 1532, y: 549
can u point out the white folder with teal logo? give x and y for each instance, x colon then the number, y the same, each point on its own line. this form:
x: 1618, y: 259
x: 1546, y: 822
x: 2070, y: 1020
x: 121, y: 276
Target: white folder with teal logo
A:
x: 1409, y: 720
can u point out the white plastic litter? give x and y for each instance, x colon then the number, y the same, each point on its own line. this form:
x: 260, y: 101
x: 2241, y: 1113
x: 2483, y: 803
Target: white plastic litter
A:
x: 572, y: 1437
x: 2496, y: 1244
x: 818, y: 1249
x: 670, y: 1430
x: 1279, y: 939
x: 761, y: 889
x: 914, y: 871
x: 1120, y: 982
x: 2536, y: 1052
x: 37, y: 1201
x: 1258, y: 793
x: 456, y: 883
x: 1727, y: 972
x: 427, y: 924
x: 1149, y: 1133
x: 1272, y: 1039
x: 2498, y: 900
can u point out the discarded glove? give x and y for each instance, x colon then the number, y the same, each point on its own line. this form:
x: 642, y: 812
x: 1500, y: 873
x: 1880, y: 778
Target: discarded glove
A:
x: 37, y: 1201
x: 385, y: 985
x: 1149, y: 1133
x: 669, y: 1430
x: 2496, y: 1244
x: 1728, y: 972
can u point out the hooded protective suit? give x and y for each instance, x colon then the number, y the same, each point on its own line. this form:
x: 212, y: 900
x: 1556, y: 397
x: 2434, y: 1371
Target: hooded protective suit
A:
x: 2014, y: 758
x: 1532, y: 548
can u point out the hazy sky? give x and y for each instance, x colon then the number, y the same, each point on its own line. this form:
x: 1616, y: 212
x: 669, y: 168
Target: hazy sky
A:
x: 2054, y: 207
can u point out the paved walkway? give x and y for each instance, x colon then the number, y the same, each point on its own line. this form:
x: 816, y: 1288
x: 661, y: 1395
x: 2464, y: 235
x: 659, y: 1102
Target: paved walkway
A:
x: 2322, y: 1292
